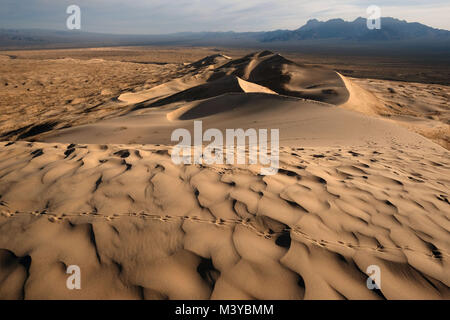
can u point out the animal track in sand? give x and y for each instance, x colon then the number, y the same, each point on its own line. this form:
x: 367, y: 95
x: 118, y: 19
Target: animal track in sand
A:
x: 230, y: 223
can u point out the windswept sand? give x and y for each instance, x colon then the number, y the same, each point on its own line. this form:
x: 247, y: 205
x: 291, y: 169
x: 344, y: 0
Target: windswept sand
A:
x: 140, y: 227
x: 423, y: 108
x: 354, y: 189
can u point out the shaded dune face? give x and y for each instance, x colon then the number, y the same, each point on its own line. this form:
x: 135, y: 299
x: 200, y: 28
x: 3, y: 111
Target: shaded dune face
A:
x: 258, y: 72
x: 286, y: 77
x: 233, y: 105
x: 226, y: 84
x: 214, y: 59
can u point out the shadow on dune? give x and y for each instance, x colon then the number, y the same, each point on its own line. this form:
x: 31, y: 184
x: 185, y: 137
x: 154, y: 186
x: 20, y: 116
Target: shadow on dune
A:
x: 259, y: 72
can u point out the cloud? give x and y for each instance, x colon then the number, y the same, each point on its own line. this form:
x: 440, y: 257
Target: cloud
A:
x: 166, y: 16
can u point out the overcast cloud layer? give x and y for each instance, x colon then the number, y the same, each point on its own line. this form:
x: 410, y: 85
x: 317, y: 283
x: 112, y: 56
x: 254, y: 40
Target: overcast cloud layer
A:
x: 167, y: 16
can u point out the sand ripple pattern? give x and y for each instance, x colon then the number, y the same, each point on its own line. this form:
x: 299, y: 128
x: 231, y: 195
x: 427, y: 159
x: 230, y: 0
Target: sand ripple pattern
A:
x: 141, y: 227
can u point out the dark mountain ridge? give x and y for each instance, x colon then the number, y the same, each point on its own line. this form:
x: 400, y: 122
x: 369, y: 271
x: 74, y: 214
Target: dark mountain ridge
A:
x: 393, y: 32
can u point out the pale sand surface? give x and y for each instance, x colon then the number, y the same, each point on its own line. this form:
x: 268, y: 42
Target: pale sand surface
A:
x: 423, y: 108
x: 354, y: 189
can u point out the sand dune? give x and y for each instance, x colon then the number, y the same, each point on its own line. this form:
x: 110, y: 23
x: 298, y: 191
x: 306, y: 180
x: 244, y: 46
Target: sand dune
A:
x: 286, y: 77
x: 227, y: 84
x: 266, y: 69
x: 422, y: 108
x: 210, y: 61
x: 301, y: 123
x: 221, y: 98
x: 354, y: 189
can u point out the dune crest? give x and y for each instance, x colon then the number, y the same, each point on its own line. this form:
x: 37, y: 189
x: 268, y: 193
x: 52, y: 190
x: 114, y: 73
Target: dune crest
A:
x: 286, y: 77
x: 361, y: 100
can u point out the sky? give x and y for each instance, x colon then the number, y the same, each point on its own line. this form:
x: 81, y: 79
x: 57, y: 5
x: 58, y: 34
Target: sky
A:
x: 170, y: 16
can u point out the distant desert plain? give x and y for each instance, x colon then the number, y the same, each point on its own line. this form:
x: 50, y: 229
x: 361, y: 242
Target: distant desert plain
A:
x: 87, y: 178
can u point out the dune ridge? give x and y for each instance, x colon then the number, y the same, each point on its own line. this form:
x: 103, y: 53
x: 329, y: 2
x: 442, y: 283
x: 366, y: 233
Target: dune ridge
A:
x: 308, y: 105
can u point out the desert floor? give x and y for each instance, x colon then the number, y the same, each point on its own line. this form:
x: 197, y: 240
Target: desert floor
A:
x: 86, y: 178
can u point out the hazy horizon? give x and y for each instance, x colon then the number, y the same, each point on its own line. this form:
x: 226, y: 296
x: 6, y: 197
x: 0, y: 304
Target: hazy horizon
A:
x: 164, y: 17
x: 179, y: 32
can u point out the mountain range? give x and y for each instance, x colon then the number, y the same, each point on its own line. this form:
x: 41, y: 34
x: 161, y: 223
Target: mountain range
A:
x: 391, y: 30
x: 332, y: 31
